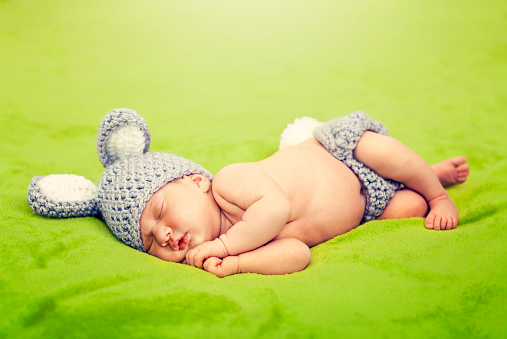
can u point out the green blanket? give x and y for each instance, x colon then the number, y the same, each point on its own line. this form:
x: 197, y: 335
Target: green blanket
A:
x: 217, y: 82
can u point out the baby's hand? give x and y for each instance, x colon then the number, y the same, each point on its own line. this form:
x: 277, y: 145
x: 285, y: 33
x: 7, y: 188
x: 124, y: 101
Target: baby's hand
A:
x: 222, y: 267
x: 197, y: 255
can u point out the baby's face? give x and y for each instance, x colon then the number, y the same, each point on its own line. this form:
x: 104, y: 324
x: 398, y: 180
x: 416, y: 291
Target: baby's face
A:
x: 178, y: 217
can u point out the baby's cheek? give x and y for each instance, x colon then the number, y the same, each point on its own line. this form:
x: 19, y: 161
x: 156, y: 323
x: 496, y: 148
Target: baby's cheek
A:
x: 167, y: 254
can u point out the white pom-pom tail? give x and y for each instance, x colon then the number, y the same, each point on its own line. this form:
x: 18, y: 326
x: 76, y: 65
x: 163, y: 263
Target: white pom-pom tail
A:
x: 297, y: 132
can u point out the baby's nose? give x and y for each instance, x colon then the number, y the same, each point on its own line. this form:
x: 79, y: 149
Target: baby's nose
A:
x: 164, y: 235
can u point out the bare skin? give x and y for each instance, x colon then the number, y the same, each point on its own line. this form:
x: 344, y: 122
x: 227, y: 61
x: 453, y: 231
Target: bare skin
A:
x: 405, y: 166
x: 263, y: 217
x: 452, y: 171
x: 407, y: 203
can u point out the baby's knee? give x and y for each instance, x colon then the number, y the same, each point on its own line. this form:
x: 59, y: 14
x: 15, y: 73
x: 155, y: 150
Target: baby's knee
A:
x: 405, y: 204
x: 418, y: 206
x: 300, y: 253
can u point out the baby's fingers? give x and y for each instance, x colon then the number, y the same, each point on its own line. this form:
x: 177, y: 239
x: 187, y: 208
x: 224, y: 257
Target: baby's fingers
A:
x: 216, y: 266
x: 222, y: 267
x: 211, y: 264
x: 196, y: 257
x: 188, y: 258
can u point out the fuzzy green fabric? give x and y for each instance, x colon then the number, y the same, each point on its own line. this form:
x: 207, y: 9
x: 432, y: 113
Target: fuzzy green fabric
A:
x: 217, y: 82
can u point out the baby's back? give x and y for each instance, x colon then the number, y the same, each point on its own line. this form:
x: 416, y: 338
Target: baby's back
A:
x: 325, y: 194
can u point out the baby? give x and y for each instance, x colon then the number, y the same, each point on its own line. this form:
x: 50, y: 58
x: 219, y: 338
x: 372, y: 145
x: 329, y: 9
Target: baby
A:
x: 262, y: 217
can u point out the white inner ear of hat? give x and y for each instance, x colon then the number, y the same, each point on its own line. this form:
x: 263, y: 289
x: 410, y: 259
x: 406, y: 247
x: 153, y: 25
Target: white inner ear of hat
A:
x: 68, y: 187
x: 127, y: 141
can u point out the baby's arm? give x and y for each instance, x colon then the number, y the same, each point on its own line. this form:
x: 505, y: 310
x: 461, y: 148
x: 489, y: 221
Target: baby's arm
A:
x: 238, y: 188
x: 280, y: 256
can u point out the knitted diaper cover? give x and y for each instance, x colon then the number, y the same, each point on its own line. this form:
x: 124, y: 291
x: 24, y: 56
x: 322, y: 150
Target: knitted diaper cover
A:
x: 340, y: 136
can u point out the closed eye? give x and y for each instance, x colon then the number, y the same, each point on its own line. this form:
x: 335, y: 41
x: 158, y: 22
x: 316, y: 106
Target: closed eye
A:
x: 160, y: 210
x: 156, y: 208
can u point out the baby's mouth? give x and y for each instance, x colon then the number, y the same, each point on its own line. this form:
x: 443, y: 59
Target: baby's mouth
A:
x: 180, y: 243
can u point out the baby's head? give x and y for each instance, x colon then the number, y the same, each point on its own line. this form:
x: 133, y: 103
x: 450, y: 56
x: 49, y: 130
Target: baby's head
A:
x: 136, y: 182
x: 131, y: 190
x: 134, y: 185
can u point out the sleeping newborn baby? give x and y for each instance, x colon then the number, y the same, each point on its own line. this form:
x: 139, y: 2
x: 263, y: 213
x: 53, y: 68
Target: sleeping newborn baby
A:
x: 257, y: 217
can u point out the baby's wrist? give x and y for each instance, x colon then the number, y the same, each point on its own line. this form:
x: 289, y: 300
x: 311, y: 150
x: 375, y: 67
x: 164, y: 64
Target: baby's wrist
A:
x: 221, y: 241
x: 238, y: 266
x: 234, y: 264
x: 222, y: 249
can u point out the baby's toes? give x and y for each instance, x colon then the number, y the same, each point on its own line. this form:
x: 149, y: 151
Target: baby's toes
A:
x: 463, y: 173
x: 463, y: 169
x: 451, y: 223
x: 459, y: 160
x: 430, y: 221
x: 437, y: 225
x: 448, y: 223
x: 454, y: 223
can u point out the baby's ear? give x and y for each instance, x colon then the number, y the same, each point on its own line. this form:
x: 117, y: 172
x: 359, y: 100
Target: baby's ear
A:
x: 297, y: 132
x: 122, y: 134
x: 202, y: 182
x: 63, y: 196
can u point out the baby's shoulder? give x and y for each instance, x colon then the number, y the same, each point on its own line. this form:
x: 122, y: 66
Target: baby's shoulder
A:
x: 233, y: 173
x: 242, y: 177
x: 234, y: 169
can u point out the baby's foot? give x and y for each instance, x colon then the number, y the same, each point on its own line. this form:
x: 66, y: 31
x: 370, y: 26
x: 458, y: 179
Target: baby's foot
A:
x: 443, y: 214
x: 452, y: 171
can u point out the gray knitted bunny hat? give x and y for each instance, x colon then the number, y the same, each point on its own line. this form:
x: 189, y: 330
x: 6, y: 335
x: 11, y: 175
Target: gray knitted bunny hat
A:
x: 132, y: 175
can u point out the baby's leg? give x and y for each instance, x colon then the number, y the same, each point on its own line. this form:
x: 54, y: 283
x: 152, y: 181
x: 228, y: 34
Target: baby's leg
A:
x: 391, y: 159
x: 406, y: 203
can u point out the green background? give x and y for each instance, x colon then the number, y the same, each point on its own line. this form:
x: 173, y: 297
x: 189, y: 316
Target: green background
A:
x: 217, y: 82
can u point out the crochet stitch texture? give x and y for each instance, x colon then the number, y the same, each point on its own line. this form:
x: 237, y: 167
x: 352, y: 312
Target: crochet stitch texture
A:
x: 340, y: 136
x: 127, y: 185
x: 62, y: 196
x: 129, y: 181
x: 132, y: 175
x: 113, y: 121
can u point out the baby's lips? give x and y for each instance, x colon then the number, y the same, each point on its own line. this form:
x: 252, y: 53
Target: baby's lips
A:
x: 179, y: 243
x: 174, y: 244
x: 183, y: 242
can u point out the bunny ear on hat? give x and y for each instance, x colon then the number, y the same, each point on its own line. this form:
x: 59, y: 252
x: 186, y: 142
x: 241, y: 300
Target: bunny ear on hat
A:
x: 63, y: 196
x: 131, y: 176
x: 122, y: 134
